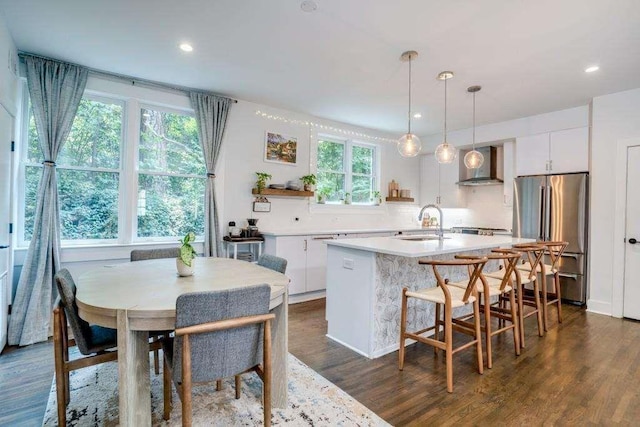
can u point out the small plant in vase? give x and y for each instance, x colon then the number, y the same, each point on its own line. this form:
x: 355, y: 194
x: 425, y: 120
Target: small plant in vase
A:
x: 323, y: 194
x: 261, y: 181
x: 186, y: 259
x: 377, y: 198
x: 309, y: 181
x: 347, y: 198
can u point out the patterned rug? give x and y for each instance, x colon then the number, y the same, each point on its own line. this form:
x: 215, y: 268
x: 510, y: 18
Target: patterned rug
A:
x: 313, y: 401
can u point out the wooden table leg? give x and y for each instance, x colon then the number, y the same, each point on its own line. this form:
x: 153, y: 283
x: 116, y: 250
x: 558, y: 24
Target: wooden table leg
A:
x: 133, y: 374
x: 279, y: 354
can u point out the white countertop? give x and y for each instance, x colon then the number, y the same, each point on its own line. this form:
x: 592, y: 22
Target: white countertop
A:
x: 312, y: 231
x: 453, y: 243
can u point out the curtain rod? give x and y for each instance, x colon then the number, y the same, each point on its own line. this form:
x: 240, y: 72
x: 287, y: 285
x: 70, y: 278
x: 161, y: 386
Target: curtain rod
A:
x: 133, y: 80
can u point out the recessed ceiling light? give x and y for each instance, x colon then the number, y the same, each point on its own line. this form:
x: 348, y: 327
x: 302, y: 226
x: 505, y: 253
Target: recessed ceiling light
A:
x: 591, y: 69
x: 186, y: 47
x: 417, y: 116
x: 308, y: 6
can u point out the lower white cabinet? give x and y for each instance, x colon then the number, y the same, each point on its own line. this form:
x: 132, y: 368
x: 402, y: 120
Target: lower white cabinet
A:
x: 306, y: 260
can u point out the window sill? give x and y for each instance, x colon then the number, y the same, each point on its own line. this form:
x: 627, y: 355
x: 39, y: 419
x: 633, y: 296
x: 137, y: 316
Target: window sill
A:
x: 103, y: 251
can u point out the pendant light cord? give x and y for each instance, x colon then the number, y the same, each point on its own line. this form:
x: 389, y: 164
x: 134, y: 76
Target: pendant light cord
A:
x: 474, y: 123
x: 445, y: 110
x: 409, y: 116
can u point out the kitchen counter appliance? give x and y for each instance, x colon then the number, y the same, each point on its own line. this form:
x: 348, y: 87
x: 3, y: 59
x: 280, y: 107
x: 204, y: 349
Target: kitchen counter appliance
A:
x: 555, y: 207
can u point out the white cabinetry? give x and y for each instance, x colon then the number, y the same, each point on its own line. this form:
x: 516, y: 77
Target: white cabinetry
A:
x: 552, y: 153
x: 509, y: 167
x: 306, y: 260
x: 438, y: 183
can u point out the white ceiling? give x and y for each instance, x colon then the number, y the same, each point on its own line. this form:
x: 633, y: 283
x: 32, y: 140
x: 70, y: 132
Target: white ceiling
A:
x: 342, y: 62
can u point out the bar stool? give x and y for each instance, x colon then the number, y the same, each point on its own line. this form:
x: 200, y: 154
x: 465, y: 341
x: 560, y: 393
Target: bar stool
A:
x: 534, y: 253
x: 554, y: 251
x: 450, y: 297
x: 504, y: 289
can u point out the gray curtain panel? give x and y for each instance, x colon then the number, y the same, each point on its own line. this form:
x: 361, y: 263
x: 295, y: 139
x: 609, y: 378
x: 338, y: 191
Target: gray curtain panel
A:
x: 56, y: 90
x: 211, y: 115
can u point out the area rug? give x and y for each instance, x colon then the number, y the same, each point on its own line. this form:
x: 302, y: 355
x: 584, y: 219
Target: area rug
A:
x: 313, y: 401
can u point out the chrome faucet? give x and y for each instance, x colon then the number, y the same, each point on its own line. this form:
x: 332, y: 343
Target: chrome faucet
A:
x: 439, y: 233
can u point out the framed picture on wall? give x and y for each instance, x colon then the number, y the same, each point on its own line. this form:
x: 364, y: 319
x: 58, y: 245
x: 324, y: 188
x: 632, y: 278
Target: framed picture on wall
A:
x: 280, y: 148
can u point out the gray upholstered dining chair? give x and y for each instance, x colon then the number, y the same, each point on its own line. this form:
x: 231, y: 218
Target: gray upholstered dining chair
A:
x: 218, y: 335
x: 273, y: 262
x: 95, y: 342
x: 146, y: 254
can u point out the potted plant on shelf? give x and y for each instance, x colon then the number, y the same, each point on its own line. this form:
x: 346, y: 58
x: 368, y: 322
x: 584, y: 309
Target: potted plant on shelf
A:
x: 377, y: 198
x: 261, y: 182
x: 323, y: 194
x: 309, y: 181
x: 347, y: 198
x: 186, y: 259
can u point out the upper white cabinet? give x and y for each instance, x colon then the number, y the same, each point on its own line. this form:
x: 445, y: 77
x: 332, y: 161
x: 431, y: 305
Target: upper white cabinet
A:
x: 555, y: 152
x: 438, y: 183
x: 508, y: 173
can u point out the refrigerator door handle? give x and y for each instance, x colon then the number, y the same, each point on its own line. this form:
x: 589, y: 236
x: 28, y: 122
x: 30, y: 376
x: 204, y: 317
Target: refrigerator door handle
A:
x: 541, y: 213
x: 549, y: 208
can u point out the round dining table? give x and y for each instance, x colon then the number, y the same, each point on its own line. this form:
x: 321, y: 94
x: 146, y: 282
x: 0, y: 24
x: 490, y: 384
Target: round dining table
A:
x: 138, y: 297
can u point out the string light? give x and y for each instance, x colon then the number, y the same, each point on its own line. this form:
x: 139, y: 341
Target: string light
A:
x: 322, y: 127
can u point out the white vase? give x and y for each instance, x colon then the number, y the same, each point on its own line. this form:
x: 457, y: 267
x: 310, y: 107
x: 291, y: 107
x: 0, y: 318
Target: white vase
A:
x: 183, y: 269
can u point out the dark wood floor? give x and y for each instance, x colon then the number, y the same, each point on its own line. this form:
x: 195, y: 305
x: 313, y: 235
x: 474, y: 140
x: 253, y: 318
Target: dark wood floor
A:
x: 583, y: 372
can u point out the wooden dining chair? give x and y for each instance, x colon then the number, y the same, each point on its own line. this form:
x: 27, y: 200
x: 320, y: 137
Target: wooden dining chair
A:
x: 143, y: 255
x: 449, y: 297
x: 218, y: 335
x: 273, y: 262
x: 502, y: 288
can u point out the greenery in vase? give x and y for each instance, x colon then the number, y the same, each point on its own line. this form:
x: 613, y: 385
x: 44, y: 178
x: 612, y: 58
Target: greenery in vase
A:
x: 309, y: 179
x: 187, y: 253
x: 261, y: 181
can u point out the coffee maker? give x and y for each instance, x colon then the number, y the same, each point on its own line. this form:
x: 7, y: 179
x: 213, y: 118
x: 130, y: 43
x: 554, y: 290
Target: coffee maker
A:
x: 252, y: 229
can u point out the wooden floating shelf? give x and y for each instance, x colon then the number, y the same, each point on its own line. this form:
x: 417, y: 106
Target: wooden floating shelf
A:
x: 399, y: 199
x: 278, y: 192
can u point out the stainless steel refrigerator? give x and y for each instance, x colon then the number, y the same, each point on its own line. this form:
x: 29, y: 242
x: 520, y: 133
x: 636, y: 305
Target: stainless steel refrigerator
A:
x: 555, y: 207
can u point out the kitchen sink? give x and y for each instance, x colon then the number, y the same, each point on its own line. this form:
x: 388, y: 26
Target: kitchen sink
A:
x: 421, y: 238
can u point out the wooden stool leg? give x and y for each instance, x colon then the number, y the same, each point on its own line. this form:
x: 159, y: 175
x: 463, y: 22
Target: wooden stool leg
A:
x: 448, y: 337
x: 218, y: 385
x: 478, y: 335
x: 536, y: 293
x: 487, y: 327
x: 520, y: 297
x: 436, y: 334
x: 156, y: 357
x: 403, y: 328
x: 166, y: 383
x: 543, y: 285
x: 556, y: 279
x: 516, y: 323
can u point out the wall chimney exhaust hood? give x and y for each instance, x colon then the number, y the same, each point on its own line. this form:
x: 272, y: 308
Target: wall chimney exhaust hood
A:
x: 490, y: 173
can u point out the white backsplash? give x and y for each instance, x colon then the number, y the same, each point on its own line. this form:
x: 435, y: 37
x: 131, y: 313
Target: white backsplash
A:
x: 484, y: 209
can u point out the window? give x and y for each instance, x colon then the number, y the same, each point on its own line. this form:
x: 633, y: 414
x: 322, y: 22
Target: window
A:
x: 171, y: 175
x: 88, y: 172
x: 127, y: 172
x: 347, y: 167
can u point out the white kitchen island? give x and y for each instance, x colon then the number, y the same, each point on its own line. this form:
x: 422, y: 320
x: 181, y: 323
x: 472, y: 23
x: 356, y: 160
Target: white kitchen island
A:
x: 365, y: 278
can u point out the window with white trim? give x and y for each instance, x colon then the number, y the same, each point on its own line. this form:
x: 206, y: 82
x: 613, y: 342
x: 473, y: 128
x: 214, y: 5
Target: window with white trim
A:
x: 120, y: 183
x: 347, y: 170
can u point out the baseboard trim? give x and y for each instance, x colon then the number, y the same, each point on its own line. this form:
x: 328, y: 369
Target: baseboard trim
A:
x: 308, y: 296
x: 349, y: 347
x: 599, y: 307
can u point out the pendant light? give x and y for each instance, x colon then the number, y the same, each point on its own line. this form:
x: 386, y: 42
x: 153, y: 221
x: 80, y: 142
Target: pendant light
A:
x: 445, y: 152
x: 473, y: 159
x: 409, y: 145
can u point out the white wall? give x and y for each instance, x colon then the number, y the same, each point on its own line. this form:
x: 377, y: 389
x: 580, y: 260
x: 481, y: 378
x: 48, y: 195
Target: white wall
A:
x: 614, y: 117
x: 243, y: 156
x: 8, y: 70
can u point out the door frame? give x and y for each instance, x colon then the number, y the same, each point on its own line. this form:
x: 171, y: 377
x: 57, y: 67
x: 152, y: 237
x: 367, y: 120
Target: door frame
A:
x: 620, y: 223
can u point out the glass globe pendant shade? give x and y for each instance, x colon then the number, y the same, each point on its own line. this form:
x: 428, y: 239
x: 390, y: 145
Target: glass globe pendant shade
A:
x: 409, y: 145
x: 446, y: 153
x: 473, y: 159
